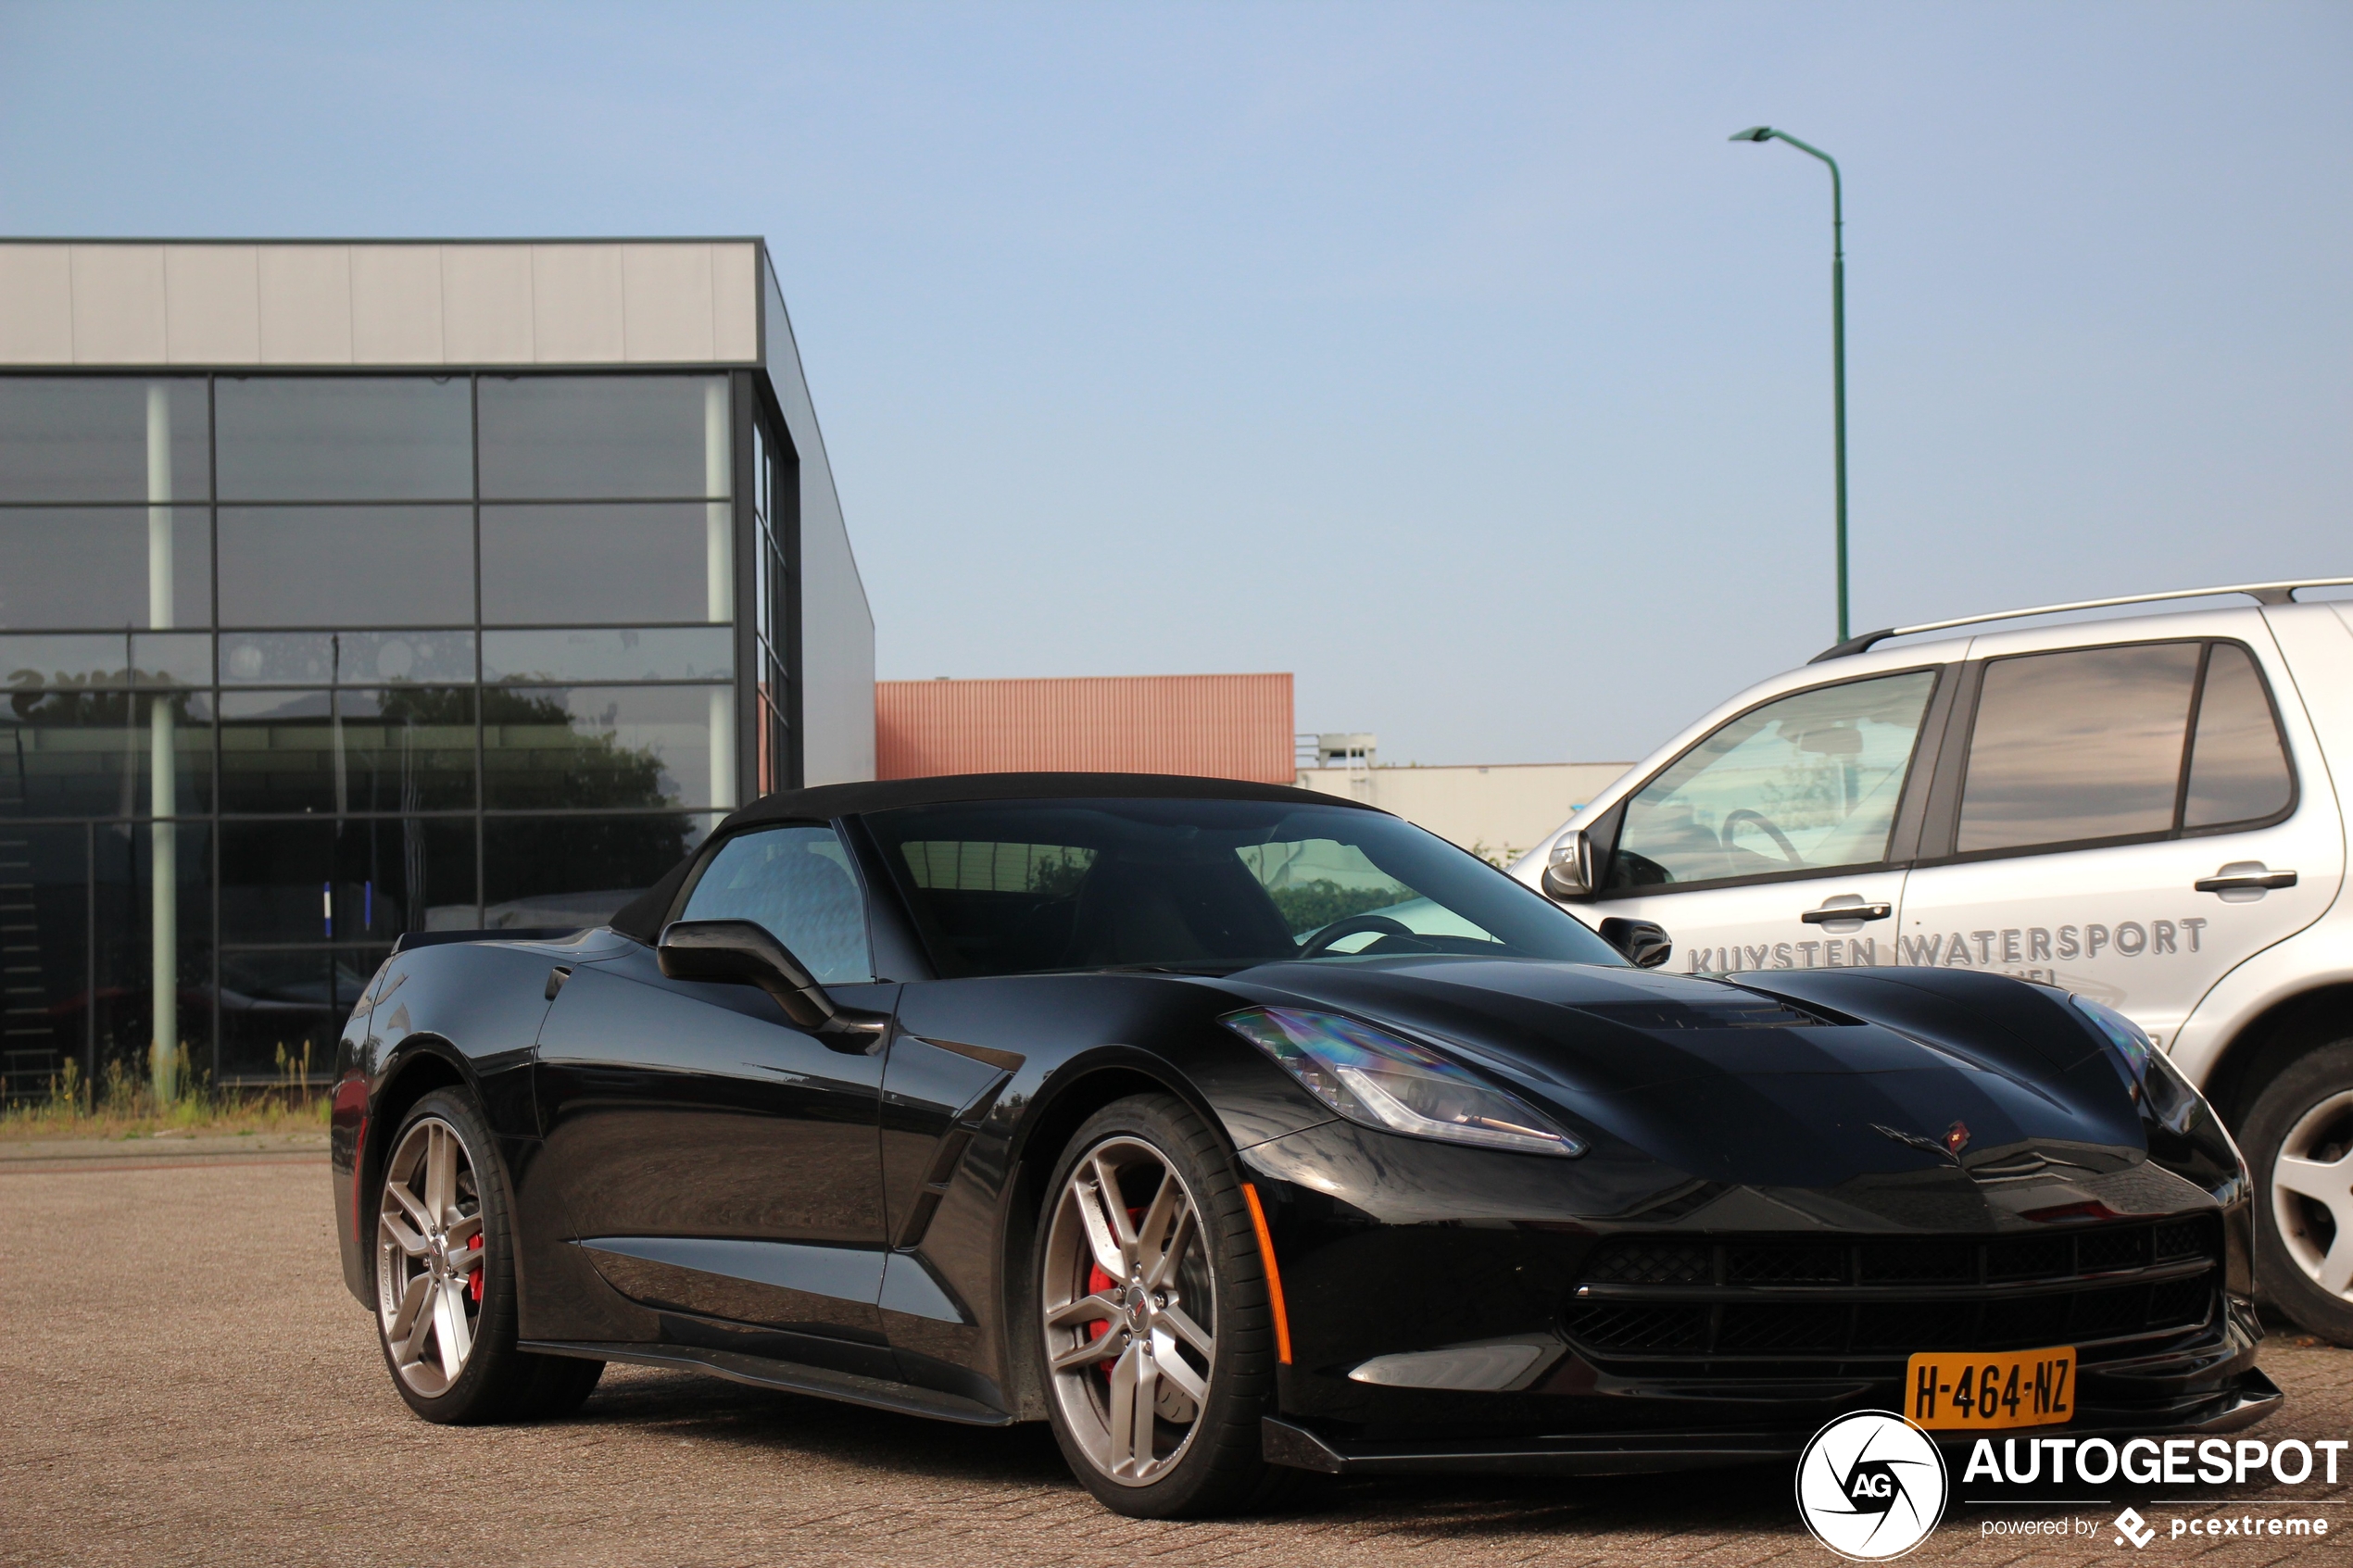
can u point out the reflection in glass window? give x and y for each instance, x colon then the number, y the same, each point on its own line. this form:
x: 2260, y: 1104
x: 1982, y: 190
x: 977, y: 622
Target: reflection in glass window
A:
x: 75, y: 752
x: 90, y: 566
x: 567, y: 747
x: 549, y: 438
x: 410, y: 748
x: 797, y: 882
x: 319, y: 566
x: 629, y: 563
x: 2082, y: 744
x: 361, y: 879
x: 1808, y: 782
x: 129, y: 1009
x: 150, y: 660
x: 87, y: 438
x: 324, y: 658
x: 281, y: 1011
x: 47, y: 915
x: 557, y: 870
x: 344, y: 438
x: 659, y: 653
x: 1016, y: 887
x: 2238, y: 766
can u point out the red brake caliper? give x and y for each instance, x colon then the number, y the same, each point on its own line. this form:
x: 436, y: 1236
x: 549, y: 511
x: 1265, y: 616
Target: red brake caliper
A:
x: 473, y: 1276
x: 1098, y: 1282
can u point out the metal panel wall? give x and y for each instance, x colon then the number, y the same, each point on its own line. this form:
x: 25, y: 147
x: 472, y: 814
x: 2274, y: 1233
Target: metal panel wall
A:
x: 1209, y: 726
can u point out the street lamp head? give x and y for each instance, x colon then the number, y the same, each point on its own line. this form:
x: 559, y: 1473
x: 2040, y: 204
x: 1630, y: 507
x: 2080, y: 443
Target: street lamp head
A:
x: 1754, y: 133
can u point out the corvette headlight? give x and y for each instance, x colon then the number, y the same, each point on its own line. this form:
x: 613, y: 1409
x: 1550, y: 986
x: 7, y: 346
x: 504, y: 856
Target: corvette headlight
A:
x: 1371, y: 1076
x: 2148, y: 1072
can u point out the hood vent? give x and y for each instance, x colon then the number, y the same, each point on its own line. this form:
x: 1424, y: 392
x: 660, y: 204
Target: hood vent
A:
x: 1740, y: 1011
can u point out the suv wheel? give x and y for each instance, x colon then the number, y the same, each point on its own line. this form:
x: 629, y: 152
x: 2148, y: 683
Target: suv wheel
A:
x: 2299, y: 1146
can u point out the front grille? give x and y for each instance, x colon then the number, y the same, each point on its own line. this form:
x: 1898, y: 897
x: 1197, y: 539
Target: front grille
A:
x: 1807, y: 1297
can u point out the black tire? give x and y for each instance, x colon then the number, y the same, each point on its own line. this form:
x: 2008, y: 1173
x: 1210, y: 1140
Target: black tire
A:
x: 1219, y: 1469
x: 2295, y: 1115
x: 495, y: 1381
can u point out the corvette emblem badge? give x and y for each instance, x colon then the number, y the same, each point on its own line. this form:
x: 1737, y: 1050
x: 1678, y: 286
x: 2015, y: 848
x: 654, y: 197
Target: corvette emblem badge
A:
x: 1957, y: 1139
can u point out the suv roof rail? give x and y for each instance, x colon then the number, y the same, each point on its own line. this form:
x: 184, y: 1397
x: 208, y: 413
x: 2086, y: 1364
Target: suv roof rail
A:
x: 2262, y: 593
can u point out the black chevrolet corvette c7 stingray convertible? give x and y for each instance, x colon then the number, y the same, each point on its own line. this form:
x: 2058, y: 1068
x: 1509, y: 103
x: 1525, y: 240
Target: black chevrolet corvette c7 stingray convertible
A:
x: 1238, y: 1131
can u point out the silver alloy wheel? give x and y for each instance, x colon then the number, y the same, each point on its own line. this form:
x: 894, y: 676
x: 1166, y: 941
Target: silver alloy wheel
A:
x: 1130, y: 1310
x: 2313, y: 1176
x: 429, y: 1254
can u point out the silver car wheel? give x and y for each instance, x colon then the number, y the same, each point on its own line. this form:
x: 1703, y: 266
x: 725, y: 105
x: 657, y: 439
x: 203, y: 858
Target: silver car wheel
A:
x: 2312, y: 1193
x: 1130, y: 1312
x: 429, y: 1256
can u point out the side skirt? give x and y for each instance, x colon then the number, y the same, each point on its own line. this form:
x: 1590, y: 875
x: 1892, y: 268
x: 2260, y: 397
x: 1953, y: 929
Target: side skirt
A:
x: 761, y: 1373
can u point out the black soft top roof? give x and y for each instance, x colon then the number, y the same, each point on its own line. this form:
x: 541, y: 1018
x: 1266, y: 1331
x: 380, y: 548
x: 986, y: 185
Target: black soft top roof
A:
x: 642, y: 916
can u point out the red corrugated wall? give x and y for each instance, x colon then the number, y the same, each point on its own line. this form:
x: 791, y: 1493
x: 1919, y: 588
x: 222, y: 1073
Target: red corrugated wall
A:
x: 1213, y: 726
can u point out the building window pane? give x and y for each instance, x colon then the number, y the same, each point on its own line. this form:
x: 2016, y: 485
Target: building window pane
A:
x: 321, y: 659
x: 281, y: 1012
x: 577, y: 871
x: 2084, y: 744
x: 657, y: 653
x: 102, y: 438
x: 2238, y: 769
x: 604, y: 437
x: 44, y: 952
x: 313, y: 566
x: 360, y: 880
x: 117, y: 659
x: 93, y: 565
x: 75, y: 752
x: 410, y: 748
x: 336, y: 438
x: 572, y: 563
x: 154, y: 975
x: 572, y: 747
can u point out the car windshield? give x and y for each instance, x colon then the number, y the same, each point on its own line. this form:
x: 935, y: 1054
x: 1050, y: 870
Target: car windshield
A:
x: 1016, y: 887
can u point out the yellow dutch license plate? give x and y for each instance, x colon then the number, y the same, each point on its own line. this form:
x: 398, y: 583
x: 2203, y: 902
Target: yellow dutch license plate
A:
x: 1949, y: 1389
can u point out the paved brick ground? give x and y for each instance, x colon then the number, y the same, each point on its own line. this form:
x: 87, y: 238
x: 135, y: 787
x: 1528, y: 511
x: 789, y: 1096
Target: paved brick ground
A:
x: 183, y: 1380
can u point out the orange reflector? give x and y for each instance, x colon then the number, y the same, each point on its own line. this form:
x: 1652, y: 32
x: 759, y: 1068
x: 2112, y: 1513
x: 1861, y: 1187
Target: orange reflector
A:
x: 1274, y: 1275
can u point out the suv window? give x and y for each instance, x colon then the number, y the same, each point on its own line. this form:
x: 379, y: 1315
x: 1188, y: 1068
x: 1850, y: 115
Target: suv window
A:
x: 2090, y: 744
x: 2238, y: 766
x: 796, y: 882
x: 1808, y: 782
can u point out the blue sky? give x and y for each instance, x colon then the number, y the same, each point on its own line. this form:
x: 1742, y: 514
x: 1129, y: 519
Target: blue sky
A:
x: 1447, y: 355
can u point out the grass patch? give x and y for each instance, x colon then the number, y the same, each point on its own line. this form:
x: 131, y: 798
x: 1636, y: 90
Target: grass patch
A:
x: 120, y: 1105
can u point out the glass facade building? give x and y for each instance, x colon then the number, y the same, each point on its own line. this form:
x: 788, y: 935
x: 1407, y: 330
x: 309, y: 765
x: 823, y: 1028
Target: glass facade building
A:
x: 296, y: 659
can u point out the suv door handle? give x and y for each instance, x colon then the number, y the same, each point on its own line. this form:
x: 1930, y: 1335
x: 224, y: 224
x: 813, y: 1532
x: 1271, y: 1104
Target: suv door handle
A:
x: 2244, y: 876
x: 1856, y: 911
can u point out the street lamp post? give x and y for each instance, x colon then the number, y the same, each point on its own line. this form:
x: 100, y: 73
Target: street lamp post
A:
x: 1838, y: 337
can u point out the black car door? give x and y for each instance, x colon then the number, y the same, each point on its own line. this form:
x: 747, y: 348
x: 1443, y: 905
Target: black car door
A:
x: 718, y: 1164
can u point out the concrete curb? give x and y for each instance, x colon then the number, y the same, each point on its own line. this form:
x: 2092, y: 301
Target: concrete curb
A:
x: 111, y: 1153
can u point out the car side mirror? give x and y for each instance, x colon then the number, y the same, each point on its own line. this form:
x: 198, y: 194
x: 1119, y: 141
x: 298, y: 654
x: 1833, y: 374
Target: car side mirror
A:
x: 743, y: 952
x: 1568, y: 870
x: 1644, y: 942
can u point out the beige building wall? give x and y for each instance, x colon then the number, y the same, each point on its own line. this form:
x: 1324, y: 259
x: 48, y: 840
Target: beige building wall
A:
x: 1499, y: 812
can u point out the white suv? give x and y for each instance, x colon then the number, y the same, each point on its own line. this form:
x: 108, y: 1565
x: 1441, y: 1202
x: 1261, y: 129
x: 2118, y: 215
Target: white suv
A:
x: 2146, y: 811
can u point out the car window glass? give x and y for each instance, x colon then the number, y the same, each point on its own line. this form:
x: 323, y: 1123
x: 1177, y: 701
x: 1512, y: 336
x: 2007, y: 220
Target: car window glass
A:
x: 1016, y: 887
x: 1808, y: 782
x: 1318, y: 883
x: 2238, y: 770
x: 2082, y: 744
x: 797, y: 882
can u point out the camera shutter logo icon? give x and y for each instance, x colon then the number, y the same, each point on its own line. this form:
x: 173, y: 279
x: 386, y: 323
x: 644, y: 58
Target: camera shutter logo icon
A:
x: 1872, y: 1485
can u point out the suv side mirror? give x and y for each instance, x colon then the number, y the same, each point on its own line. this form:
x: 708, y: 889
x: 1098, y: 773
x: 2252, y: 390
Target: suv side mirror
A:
x: 743, y: 952
x: 1568, y: 870
x: 1645, y: 943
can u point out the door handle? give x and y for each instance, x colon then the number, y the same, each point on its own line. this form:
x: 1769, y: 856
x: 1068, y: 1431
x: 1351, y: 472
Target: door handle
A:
x: 1830, y: 912
x: 2244, y: 876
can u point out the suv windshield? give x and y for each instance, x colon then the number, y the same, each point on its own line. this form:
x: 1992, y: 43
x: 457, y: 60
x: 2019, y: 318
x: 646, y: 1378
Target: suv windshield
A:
x: 1013, y: 888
